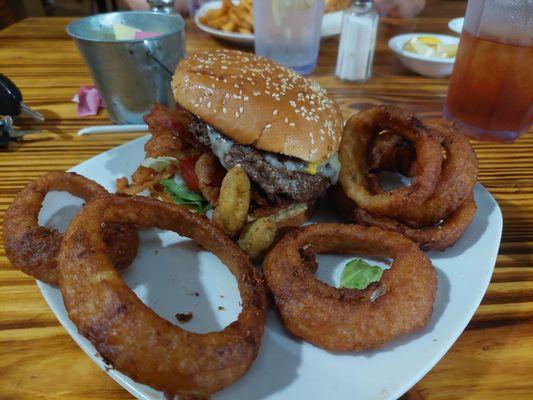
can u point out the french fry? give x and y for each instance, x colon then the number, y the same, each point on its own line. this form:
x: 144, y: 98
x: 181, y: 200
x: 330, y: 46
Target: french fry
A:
x: 213, y: 13
x: 243, y: 17
x: 239, y: 22
x: 233, y: 17
x: 218, y: 23
x: 239, y: 18
x: 247, y: 6
x: 230, y: 17
x: 228, y: 26
x: 226, y: 6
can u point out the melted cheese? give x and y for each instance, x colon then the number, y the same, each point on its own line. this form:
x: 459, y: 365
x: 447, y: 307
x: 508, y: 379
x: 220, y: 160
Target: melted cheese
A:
x: 311, y: 168
x: 220, y: 145
x: 331, y: 168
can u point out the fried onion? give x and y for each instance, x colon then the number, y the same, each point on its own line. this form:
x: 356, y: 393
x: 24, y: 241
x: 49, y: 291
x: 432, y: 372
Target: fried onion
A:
x: 360, y: 132
x: 129, y: 335
x: 34, y: 249
x: 436, y: 237
x: 348, y: 319
x: 456, y: 182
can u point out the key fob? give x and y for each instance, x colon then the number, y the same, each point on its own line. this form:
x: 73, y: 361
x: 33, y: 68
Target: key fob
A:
x: 10, y: 97
x: 5, y: 137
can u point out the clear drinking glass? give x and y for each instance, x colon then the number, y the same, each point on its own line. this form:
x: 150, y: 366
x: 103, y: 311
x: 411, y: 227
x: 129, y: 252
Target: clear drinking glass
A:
x: 288, y: 32
x: 491, y: 88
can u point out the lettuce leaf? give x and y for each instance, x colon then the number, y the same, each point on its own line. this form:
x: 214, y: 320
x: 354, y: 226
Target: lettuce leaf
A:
x: 358, y: 274
x: 182, y: 195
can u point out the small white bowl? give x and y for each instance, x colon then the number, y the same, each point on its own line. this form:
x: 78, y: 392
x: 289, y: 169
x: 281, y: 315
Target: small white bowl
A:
x: 433, y: 67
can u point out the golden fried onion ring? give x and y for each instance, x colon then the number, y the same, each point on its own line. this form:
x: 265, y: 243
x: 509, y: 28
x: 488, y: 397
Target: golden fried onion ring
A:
x: 348, y: 319
x: 34, y: 249
x: 392, y: 152
x: 129, y: 335
x: 436, y: 237
x: 359, y: 134
x: 457, y: 180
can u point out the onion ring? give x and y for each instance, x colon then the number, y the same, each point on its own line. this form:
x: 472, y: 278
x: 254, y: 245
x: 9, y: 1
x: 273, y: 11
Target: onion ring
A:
x: 457, y: 180
x: 34, y: 249
x: 129, y: 335
x: 348, y: 319
x: 358, y: 136
x: 436, y: 237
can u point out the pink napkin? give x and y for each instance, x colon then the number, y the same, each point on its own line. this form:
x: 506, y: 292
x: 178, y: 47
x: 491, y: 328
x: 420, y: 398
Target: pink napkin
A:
x: 145, y: 35
x: 89, y: 101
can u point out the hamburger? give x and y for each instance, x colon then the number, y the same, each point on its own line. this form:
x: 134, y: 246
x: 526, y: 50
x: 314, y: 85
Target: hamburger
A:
x: 238, y: 109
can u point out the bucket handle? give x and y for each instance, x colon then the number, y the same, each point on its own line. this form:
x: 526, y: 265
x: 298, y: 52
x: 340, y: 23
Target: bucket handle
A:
x: 159, y: 63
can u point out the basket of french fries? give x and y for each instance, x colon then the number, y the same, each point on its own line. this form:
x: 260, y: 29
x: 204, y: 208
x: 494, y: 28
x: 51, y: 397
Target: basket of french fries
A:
x: 233, y: 19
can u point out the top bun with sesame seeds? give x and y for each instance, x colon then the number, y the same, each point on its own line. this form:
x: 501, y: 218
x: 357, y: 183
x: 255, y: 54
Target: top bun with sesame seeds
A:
x: 256, y: 102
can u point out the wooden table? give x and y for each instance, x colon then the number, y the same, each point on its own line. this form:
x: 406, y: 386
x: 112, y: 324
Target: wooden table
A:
x: 493, y: 358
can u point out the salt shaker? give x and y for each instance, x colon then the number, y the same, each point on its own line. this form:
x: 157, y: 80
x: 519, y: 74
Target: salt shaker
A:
x: 358, y: 40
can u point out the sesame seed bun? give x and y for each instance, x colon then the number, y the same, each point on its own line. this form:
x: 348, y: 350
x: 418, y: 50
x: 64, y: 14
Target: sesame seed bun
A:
x: 257, y: 102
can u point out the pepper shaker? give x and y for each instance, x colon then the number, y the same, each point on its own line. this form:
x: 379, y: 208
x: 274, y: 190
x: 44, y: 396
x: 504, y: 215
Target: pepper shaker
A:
x: 358, y: 41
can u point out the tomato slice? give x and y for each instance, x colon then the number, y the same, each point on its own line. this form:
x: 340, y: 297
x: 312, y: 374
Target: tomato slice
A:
x: 188, y: 174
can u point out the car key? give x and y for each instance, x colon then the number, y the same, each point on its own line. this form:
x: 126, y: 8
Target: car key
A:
x: 5, y: 130
x: 11, y: 100
x: 9, y: 133
x: 37, y: 116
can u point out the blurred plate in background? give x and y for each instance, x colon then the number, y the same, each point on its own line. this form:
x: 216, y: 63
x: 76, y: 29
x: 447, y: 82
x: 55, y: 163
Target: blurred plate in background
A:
x: 331, y: 26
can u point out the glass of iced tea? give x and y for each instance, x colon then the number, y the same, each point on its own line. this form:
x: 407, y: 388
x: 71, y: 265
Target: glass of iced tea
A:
x: 491, y: 88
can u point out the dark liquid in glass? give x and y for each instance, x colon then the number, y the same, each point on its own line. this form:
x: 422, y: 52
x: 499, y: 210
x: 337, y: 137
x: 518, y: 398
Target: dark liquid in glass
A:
x: 491, y: 88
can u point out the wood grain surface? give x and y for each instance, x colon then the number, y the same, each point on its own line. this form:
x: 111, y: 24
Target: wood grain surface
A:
x: 492, y: 359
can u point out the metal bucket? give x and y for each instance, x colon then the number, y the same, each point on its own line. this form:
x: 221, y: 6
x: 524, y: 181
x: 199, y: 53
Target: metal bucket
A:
x: 131, y: 75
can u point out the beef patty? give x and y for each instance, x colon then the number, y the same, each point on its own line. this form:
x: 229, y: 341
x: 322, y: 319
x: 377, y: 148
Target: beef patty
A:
x: 296, y: 185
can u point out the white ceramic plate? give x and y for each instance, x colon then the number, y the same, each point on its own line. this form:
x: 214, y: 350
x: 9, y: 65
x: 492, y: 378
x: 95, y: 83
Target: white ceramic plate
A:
x: 169, y: 270
x: 331, y: 26
x: 456, y: 24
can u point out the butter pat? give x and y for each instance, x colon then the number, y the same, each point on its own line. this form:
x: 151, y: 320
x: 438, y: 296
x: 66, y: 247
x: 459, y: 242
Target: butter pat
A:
x: 429, y: 46
x: 124, y: 32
